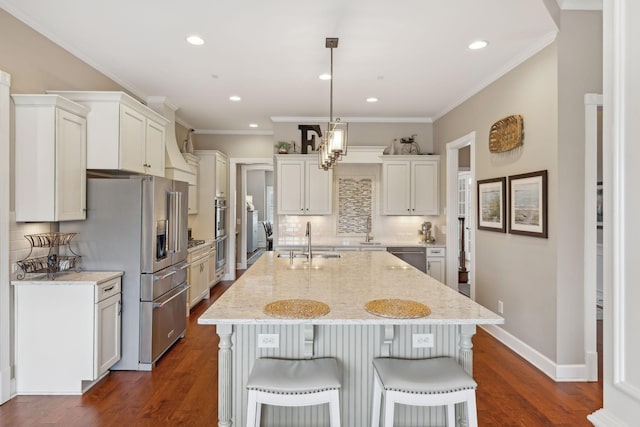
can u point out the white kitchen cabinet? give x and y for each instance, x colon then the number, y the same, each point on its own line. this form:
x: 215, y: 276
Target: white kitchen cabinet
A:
x: 122, y: 133
x: 410, y: 185
x: 50, y: 158
x: 436, y: 264
x: 212, y: 181
x: 302, y: 187
x: 194, y: 163
x: 68, y: 331
x: 198, y: 274
x: 221, y: 175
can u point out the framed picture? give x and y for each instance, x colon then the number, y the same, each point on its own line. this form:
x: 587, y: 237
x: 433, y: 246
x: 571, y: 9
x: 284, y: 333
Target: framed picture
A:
x: 528, y: 204
x: 599, y: 205
x: 492, y: 205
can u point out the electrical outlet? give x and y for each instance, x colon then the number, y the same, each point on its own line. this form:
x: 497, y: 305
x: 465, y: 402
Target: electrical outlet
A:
x: 268, y: 340
x: 422, y: 340
x: 500, y: 307
x: 14, y: 268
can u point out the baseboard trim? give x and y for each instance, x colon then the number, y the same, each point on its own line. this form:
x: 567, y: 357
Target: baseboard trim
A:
x: 558, y: 373
x: 603, y: 418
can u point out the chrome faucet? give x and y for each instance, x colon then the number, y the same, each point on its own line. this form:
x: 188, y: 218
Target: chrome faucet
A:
x: 368, y: 237
x: 308, y: 236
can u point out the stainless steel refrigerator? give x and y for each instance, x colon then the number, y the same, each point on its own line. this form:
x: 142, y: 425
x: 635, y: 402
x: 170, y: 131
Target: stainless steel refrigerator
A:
x: 139, y: 225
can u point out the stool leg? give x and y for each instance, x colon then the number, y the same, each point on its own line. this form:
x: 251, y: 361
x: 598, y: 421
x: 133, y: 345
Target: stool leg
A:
x: 389, y: 407
x: 252, y: 409
x: 334, y: 409
x: 451, y: 415
x: 472, y: 413
x: 377, y: 400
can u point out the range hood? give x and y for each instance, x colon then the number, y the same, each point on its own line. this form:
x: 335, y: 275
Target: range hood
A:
x: 175, y: 166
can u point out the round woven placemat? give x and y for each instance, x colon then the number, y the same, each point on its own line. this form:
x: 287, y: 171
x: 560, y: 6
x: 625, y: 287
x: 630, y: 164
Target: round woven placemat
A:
x: 397, y: 308
x: 296, y: 308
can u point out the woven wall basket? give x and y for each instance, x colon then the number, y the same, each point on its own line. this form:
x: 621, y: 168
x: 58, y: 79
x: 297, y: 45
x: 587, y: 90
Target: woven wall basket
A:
x: 506, y: 134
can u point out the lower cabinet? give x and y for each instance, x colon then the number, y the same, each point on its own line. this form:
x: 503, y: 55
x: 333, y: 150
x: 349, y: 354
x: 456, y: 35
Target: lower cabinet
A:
x: 212, y: 268
x: 198, y: 274
x: 68, y: 332
x: 436, y: 263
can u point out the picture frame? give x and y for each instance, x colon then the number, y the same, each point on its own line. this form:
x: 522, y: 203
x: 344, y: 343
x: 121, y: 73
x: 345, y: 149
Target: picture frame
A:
x: 492, y: 207
x: 528, y: 204
x: 599, y: 205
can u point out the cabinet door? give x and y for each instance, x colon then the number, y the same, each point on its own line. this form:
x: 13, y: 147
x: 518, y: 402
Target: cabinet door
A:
x: 212, y: 268
x: 193, y: 199
x: 108, y: 320
x: 132, y: 140
x: 221, y: 176
x: 319, y: 190
x: 154, y: 148
x: 435, y: 268
x: 290, y: 177
x: 424, y: 188
x: 396, y: 188
x: 71, y: 166
x: 198, y: 276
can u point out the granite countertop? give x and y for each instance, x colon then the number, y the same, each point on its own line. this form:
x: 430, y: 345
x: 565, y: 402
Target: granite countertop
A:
x: 352, y: 243
x: 346, y: 284
x: 71, y: 278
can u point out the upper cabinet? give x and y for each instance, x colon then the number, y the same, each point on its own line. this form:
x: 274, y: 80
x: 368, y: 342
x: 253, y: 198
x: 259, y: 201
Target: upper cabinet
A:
x: 302, y: 187
x: 122, y: 133
x: 221, y: 175
x: 50, y: 158
x: 410, y: 185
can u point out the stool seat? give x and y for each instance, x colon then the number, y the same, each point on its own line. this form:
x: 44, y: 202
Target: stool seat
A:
x: 294, y: 376
x: 439, y: 381
x: 282, y: 382
x: 439, y: 375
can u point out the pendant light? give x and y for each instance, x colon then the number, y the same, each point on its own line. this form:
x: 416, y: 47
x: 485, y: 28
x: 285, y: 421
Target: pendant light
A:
x: 334, y: 142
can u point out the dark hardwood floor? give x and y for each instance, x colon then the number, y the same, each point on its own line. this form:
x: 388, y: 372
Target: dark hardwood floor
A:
x: 182, y: 390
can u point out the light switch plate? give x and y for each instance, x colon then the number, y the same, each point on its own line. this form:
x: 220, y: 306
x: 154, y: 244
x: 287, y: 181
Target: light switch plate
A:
x: 268, y: 340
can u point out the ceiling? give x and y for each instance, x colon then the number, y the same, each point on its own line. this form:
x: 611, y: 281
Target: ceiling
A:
x: 410, y: 54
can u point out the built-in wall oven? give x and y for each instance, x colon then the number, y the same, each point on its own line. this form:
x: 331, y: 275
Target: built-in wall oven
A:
x: 220, y: 219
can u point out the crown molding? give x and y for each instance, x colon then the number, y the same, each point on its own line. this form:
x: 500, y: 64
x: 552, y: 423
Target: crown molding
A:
x: 233, y: 132
x: 516, y: 61
x: 298, y: 119
x: 580, y: 4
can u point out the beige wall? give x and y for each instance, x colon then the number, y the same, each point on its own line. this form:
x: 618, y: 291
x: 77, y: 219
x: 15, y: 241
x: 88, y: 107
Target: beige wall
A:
x: 539, y: 280
x: 518, y: 270
x: 579, y: 72
x: 243, y: 146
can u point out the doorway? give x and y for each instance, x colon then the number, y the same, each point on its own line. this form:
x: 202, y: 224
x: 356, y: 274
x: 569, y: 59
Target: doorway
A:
x: 253, y: 208
x: 465, y: 221
x: 455, y: 160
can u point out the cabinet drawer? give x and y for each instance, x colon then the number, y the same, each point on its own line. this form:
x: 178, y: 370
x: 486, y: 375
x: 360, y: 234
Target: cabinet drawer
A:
x: 435, y: 252
x: 107, y: 289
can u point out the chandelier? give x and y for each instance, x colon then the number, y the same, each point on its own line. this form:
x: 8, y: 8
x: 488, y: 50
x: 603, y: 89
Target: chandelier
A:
x: 334, y: 143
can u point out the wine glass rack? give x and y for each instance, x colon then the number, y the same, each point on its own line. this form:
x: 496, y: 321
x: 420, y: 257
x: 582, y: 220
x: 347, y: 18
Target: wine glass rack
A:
x: 51, y: 263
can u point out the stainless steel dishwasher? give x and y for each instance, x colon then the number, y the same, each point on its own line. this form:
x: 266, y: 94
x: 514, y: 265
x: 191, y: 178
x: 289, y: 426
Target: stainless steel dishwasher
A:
x: 414, y: 255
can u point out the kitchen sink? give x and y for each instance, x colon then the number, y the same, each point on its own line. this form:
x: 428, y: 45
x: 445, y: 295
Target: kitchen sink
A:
x: 370, y: 243
x: 305, y: 255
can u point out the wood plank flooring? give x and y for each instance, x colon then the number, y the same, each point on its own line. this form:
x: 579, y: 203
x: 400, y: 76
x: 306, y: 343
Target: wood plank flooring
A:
x: 182, y: 390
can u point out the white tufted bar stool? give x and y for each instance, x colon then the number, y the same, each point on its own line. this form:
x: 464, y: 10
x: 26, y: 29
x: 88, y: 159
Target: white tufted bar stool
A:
x: 422, y: 382
x: 284, y: 382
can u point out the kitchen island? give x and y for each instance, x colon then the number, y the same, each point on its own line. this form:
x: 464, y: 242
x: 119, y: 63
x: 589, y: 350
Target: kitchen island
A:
x: 347, y: 332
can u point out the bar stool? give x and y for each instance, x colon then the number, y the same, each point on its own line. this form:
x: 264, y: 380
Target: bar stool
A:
x: 283, y: 382
x: 424, y: 382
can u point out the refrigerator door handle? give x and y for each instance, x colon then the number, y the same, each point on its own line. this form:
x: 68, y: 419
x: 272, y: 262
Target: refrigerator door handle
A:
x: 174, y: 220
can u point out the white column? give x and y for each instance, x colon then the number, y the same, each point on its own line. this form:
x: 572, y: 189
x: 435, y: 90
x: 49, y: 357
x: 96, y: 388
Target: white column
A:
x: 5, y: 302
x: 225, y: 375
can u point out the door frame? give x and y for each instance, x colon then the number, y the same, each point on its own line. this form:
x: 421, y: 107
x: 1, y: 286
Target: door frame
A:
x: 452, y: 209
x: 591, y: 104
x: 6, y: 346
x: 242, y: 238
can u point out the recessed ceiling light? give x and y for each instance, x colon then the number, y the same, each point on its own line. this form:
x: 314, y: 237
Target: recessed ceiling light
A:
x: 372, y: 99
x: 478, y: 44
x: 325, y: 76
x: 195, y: 40
x: 253, y: 125
x: 235, y: 98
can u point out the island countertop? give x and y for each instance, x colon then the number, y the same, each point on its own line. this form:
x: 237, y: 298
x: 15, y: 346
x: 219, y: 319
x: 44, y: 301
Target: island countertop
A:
x: 345, y: 284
